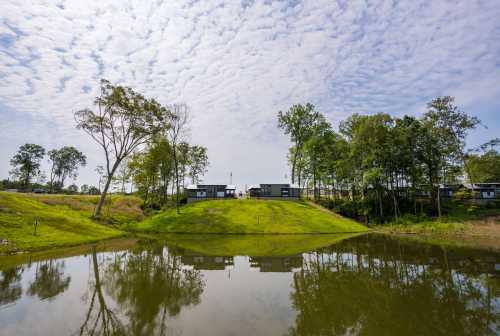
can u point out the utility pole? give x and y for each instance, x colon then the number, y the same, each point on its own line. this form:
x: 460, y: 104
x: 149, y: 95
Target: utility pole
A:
x: 231, y: 178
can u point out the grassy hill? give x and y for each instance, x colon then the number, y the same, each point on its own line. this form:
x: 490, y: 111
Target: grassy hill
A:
x: 248, y: 216
x: 62, y: 220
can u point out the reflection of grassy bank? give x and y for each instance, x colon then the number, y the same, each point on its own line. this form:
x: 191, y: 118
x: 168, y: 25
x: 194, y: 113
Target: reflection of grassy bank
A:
x: 118, y: 244
x: 254, y: 245
x: 248, y: 216
x: 62, y: 220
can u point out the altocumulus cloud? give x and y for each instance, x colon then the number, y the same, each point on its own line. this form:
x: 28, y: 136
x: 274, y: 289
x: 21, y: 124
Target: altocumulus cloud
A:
x: 237, y: 63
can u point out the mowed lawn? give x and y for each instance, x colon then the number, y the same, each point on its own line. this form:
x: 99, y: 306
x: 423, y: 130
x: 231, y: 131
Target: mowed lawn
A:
x: 248, y: 216
x: 62, y: 220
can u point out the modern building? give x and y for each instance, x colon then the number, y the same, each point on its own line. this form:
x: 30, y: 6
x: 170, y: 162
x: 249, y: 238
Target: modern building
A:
x: 481, y: 190
x: 210, y: 191
x: 282, y: 191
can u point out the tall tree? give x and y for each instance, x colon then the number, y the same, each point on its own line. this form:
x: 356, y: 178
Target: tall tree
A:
x: 176, y: 133
x: 298, y: 122
x: 446, y: 128
x: 26, y: 162
x: 123, y: 121
x: 198, y: 163
x: 65, y: 162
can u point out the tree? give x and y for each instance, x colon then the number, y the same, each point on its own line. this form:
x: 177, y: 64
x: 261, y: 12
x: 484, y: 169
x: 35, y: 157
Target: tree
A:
x: 298, y: 122
x: 445, y: 131
x: 122, y: 176
x: 65, y: 163
x: 26, y: 162
x: 198, y: 163
x: 73, y: 188
x: 123, y: 121
x: 175, y: 134
x: 484, y: 164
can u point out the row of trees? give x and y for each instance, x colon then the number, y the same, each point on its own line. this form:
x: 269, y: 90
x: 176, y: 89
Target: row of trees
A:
x: 153, y: 169
x: 125, y: 122
x: 383, y: 163
x: 64, y: 164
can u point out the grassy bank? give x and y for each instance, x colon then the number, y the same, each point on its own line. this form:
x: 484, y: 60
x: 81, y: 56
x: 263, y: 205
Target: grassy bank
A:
x: 248, y: 216
x: 63, y: 220
x: 481, y: 230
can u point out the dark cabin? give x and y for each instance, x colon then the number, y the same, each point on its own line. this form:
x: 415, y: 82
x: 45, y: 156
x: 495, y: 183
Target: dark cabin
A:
x: 210, y: 191
x: 281, y: 191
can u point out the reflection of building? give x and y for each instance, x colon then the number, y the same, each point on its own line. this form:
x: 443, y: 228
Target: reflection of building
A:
x: 202, y: 262
x: 276, y: 264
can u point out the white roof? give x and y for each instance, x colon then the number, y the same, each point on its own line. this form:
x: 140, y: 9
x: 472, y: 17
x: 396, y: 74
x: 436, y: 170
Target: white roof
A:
x: 255, y: 186
x: 231, y: 187
x: 192, y: 187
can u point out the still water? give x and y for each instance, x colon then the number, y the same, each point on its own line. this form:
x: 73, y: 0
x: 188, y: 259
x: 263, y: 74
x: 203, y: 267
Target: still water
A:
x: 366, y: 285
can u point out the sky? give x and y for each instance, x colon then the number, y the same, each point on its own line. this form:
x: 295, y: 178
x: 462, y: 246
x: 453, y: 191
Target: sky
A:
x: 237, y: 63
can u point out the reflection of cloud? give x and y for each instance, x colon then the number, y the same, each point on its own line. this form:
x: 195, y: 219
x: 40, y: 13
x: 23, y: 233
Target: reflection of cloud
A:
x: 236, y: 64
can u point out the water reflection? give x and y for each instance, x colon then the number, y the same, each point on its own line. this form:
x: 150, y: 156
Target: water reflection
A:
x: 49, y: 280
x: 10, y: 285
x: 380, y: 287
x: 368, y: 285
x: 276, y: 264
x: 147, y: 285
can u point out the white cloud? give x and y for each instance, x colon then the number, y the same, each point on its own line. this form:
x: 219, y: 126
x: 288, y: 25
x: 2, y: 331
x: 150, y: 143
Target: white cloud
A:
x: 237, y: 65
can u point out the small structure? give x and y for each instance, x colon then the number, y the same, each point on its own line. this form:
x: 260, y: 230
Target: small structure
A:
x: 201, y: 192
x: 281, y: 191
x: 480, y: 190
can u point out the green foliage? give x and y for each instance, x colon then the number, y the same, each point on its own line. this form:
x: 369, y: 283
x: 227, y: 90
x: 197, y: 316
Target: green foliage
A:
x: 248, y: 216
x: 123, y: 121
x: 65, y: 163
x: 377, y: 167
x: 26, y: 162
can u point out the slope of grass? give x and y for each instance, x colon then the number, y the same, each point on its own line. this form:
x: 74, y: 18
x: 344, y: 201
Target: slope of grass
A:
x: 254, y: 245
x: 248, y: 216
x: 62, y: 220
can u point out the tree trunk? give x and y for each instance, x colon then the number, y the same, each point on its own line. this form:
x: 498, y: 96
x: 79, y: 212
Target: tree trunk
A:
x: 176, y: 178
x: 102, y: 199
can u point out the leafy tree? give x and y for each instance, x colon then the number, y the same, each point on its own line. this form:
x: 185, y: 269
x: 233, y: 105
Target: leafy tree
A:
x: 73, y: 188
x: 484, y: 166
x: 26, y: 162
x: 123, y: 121
x: 445, y: 130
x: 198, y: 163
x: 65, y: 163
x: 298, y: 122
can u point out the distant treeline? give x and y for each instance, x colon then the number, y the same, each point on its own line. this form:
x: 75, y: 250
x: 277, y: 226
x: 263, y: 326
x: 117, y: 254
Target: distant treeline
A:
x: 376, y: 166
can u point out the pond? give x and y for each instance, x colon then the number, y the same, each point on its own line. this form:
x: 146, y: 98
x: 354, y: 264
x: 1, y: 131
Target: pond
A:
x: 257, y: 285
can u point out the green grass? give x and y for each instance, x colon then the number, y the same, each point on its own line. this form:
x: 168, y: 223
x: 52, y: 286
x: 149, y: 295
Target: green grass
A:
x: 63, y: 220
x: 254, y: 245
x: 248, y: 216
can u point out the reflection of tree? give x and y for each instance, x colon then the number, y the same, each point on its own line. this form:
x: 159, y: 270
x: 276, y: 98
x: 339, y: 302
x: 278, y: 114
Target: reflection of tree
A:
x: 151, y: 284
x: 100, y: 319
x: 10, y: 285
x: 344, y: 291
x: 147, y: 286
x: 49, y: 280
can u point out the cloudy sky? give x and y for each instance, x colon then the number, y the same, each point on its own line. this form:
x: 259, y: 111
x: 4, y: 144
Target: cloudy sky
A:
x: 237, y: 63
